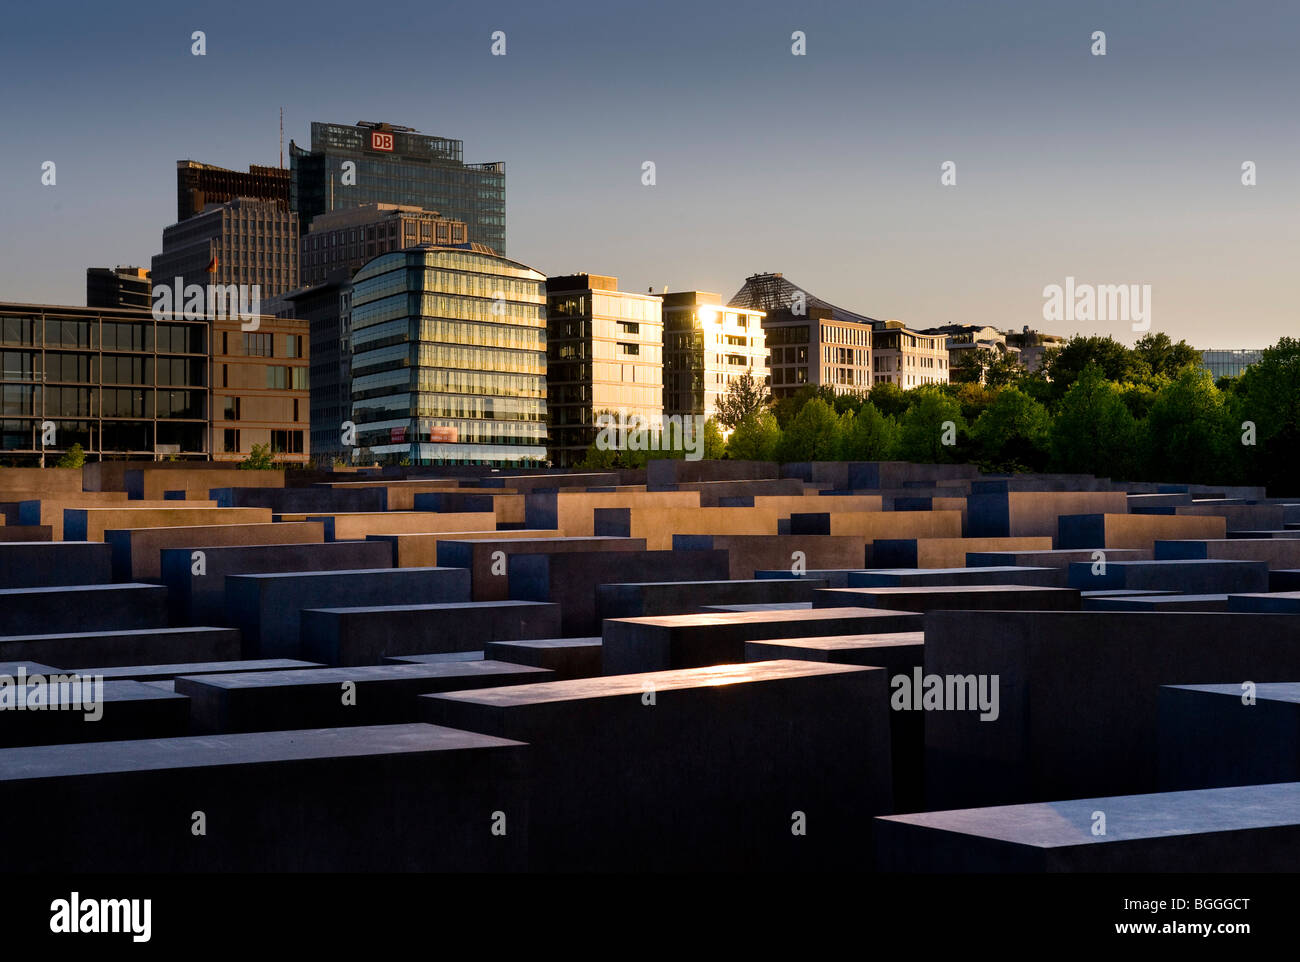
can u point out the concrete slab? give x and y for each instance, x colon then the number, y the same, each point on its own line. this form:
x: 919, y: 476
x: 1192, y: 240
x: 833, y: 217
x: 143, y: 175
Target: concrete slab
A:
x: 197, y: 593
x: 1243, y: 733
x: 1184, y: 577
x: 683, y: 597
x: 1077, y: 695
x: 571, y: 579
x: 948, y: 598
x: 366, y: 635
x: 87, y: 711
x: 135, y: 646
x: 566, y: 657
x: 696, y: 769
x: 267, y: 608
x: 373, y: 798
x: 49, y: 564
x: 84, y: 608
x: 1249, y: 829
x: 691, y: 641
x: 330, y: 697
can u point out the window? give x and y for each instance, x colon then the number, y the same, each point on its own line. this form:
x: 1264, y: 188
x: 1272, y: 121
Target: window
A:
x: 259, y: 345
x: 231, y: 440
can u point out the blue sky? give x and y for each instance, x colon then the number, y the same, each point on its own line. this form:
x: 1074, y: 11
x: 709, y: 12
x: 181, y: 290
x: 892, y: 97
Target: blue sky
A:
x: 1122, y: 169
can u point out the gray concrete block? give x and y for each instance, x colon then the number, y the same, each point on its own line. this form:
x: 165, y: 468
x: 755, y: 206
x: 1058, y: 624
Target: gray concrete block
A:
x: 571, y: 579
x: 948, y: 577
x: 566, y: 657
x: 682, y: 597
x: 43, y: 564
x: 366, y: 799
x: 1248, y: 829
x: 82, y: 608
x: 364, y: 636
x: 1184, y: 577
x: 694, y: 641
x: 267, y: 608
x: 959, y: 597
x: 200, y: 598
x: 88, y: 711
x: 1243, y: 733
x: 327, y: 697
x: 1077, y: 695
x: 708, y: 773
x: 113, y: 649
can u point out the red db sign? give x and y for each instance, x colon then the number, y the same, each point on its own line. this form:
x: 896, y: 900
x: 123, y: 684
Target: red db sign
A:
x: 380, y: 141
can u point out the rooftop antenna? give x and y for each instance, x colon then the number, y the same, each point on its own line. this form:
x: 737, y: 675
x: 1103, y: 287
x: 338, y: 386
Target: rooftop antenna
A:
x: 282, y: 138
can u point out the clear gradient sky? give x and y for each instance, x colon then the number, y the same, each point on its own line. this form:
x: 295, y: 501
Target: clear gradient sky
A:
x: 1117, y: 169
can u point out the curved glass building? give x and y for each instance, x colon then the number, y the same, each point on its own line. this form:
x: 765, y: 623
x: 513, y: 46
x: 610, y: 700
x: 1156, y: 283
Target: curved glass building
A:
x: 449, y: 357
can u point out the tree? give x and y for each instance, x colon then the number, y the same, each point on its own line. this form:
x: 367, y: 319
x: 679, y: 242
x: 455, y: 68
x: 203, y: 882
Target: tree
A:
x: 1014, y: 433
x: 813, y: 435
x: 890, y: 399
x: 1005, y: 370
x: 1268, y: 395
x: 745, y: 395
x: 869, y: 436
x: 971, y: 366
x: 1188, y: 437
x: 973, y: 398
x: 1116, y: 361
x: 930, y: 428
x: 259, y: 459
x: 715, y: 448
x: 755, y: 438
x: 1163, y: 356
x: 74, y: 457
x: 788, y: 407
x: 1094, y: 432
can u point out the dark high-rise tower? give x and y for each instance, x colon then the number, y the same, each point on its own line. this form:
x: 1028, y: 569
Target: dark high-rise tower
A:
x: 198, y: 185
x: 396, y: 165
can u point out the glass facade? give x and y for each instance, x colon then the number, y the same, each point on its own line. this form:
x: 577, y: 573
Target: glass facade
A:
x: 449, y: 358
x: 115, y: 382
x: 604, y: 356
x: 706, y: 346
x: 405, y: 168
x: 1229, y: 363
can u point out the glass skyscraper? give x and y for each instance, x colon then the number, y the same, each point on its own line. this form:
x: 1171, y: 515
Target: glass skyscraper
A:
x: 449, y: 357
x: 396, y: 165
x: 604, y: 356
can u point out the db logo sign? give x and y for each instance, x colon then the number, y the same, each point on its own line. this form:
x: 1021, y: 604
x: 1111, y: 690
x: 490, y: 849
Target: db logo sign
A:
x: 380, y: 141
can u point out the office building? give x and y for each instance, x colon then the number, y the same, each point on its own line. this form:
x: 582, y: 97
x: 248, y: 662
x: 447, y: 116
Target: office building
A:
x: 260, y: 393
x: 119, y: 287
x: 199, y: 186
x: 449, y: 358
x: 1229, y: 363
x: 706, y: 346
x: 908, y: 358
x: 809, y: 340
x: 326, y: 308
x: 242, y: 242
x: 122, y: 384
x: 1032, y: 346
x: 397, y: 165
x: 343, y: 240
x: 604, y: 355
